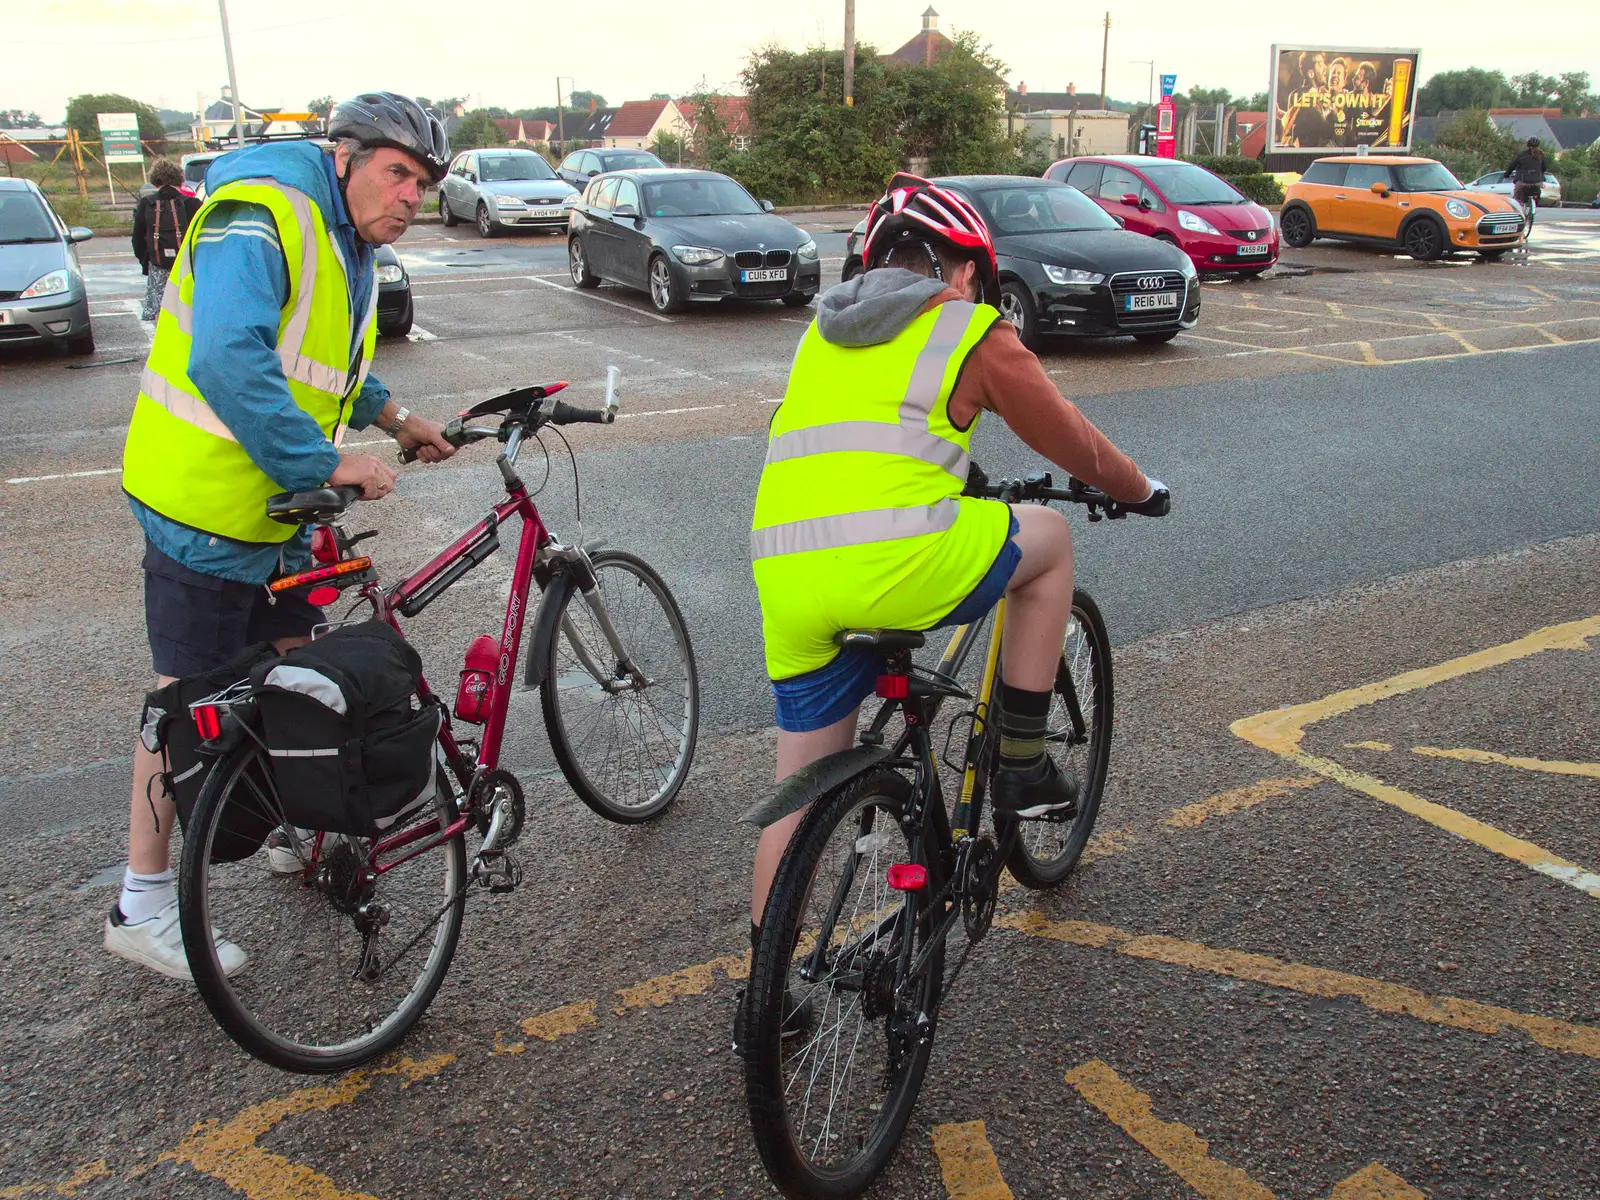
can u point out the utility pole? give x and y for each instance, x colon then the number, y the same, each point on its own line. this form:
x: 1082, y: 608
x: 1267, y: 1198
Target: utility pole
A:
x: 849, y: 53
x: 1105, y: 48
x: 233, y: 78
x: 561, y: 132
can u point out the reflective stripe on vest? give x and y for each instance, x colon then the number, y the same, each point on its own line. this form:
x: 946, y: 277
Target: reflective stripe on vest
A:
x: 853, y: 529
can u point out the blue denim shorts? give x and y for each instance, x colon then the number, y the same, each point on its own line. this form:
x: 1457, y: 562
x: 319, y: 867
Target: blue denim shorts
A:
x: 818, y: 698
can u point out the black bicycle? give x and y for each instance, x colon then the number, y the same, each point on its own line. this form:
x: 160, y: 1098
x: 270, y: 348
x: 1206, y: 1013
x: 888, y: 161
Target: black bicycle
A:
x: 850, y: 962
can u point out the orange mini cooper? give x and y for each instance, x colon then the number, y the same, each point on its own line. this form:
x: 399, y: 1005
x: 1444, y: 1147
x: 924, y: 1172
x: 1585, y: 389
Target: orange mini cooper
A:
x: 1412, y: 204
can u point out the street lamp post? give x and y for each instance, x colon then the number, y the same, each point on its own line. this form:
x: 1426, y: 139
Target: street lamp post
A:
x: 1151, y: 63
x: 561, y: 131
x: 233, y: 78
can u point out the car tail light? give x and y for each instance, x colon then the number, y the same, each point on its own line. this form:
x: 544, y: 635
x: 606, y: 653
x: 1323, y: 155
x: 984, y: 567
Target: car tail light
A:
x: 908, y: 877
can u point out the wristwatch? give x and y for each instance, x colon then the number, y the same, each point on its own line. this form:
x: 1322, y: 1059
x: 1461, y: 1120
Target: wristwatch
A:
x: 400, y: 415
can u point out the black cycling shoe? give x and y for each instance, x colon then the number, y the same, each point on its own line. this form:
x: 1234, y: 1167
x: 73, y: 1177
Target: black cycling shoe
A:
x: 798, y: 1018
x: 1042, y: 790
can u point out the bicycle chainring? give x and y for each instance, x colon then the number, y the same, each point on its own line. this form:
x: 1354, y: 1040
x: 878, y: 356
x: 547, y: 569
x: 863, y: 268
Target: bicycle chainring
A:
x: 488, y: 787
x: 979, y: 888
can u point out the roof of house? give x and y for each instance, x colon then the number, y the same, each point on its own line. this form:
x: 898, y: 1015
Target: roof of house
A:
x: 1572, y: 132
x: 12, y: 150
x: 1252, y: 144
x: 538, y: 131
x: 509, y: 126
x: 732, y: 111
x: 590, y: 126
x: 1053, y: 101
x: 1523, y: 127
x: 636, y: 118
x: 928, y: 46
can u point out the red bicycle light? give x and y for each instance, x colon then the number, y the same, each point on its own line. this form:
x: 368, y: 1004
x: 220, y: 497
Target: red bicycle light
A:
x: 207, y: 719
x: 319, y: 575
x: 322, y: 596
x: 324, y: 548
x: 550, y: 389
x: 894, y: 687
x: 908, y: 877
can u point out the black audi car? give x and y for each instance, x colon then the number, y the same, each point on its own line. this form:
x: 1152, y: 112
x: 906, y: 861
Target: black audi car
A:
x: 394, y: 293
x: 683, y: 236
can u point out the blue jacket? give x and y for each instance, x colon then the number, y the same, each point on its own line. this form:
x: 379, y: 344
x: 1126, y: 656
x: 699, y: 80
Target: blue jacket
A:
x: 241, y: 284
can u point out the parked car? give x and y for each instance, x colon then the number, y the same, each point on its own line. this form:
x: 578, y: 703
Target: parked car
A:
x: 194, y: 169
x: 852, y: 252
x: 1067, y: 268
x: 501, y: 189
x: 1496, y: 182
x: 686, y: 236
x: 581, y: 166
x: 1210, y: 220
x: 1397, y: 202
x: 394, y: 293
x: 42, y: 296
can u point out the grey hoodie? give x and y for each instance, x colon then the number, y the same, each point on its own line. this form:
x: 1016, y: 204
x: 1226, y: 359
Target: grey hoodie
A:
x: 874, y: 307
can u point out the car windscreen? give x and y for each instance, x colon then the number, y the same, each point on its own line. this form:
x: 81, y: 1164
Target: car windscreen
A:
x: 630, y: 162
x: 1048, y: 208
x: 503, y: 168
x: 24, y: 219
x: 698, y: 198
x: 1426, y: 177
x: 195, y: 170
x: 1183, y: 184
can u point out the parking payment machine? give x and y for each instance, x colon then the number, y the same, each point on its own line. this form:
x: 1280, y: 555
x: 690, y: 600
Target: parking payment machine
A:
x: 1167, y: 120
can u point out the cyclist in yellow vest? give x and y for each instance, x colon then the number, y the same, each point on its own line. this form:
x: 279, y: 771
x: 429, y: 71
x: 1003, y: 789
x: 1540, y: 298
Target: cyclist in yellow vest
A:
x: 859, y: 518
x: 259, y: 365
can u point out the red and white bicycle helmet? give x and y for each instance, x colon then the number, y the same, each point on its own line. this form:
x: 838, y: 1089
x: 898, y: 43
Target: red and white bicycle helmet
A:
x: 915, y: 210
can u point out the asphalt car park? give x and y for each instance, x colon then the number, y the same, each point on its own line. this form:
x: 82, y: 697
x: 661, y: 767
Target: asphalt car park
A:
x: 1336, y: 934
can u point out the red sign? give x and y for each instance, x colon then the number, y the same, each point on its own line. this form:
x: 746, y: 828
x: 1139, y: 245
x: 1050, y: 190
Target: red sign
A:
x: 1166, y: 126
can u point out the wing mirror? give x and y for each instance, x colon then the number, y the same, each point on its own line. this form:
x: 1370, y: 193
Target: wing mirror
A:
x: 79, y: 233
x: 1130, y: 199
x: 1121, y: 221
x: 1379, y: 188
x: 766, y: 206
x: 470, y: 176
x: 626, y: 212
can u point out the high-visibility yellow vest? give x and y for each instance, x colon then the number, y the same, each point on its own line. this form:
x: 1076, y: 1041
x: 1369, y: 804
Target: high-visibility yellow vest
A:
x: 859, y: 517
x: 181, y: 460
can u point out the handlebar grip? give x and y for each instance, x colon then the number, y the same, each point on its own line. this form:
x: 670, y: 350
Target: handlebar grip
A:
x: 562, y: 413
x: 455, y: 432
x: 1159, y: 504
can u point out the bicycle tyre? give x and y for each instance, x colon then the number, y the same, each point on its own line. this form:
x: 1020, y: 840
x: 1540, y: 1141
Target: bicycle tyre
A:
x: 1092, y: 681
x: 779, y: 1137
x: 564, y: 678
x: 227, y: 1006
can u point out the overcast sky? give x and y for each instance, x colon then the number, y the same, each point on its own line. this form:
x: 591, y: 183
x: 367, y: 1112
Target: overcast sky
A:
x: 287, y: 52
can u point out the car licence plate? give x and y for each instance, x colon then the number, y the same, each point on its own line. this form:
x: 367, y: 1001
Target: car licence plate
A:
x: 1259, y: 248
x: 554, y: 211
x: 5, y: 316
x: 768, y: 275
x: 1159, y: 300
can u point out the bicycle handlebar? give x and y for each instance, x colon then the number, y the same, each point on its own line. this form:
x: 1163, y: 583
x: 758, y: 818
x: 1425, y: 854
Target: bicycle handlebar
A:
x: 1038, y: 487
x: 527, y: 413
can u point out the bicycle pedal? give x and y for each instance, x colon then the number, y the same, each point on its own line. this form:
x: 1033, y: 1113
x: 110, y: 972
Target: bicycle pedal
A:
x: 497, y: 871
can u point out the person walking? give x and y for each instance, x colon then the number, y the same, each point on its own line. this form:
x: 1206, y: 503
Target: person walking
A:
x: 160, y: 220
x: 260, y: 363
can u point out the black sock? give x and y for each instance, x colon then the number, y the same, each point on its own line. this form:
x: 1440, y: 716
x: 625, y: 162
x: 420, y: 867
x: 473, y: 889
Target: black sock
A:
x: 1024, y: 717
x: 755, y: 935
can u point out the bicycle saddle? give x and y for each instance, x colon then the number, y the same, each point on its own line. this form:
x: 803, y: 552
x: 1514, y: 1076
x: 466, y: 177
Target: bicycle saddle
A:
x: 880, y: 639
x: 317, y: 504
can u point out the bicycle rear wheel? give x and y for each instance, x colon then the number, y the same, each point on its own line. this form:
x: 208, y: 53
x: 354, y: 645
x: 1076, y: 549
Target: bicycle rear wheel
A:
x: 1079, y: 739
x: 828, y: 1104
x: 341, y: 964
x: 624, y: 746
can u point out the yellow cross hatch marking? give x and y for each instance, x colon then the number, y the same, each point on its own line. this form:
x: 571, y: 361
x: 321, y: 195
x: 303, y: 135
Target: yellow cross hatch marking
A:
x: 967, y: 1162
x: 1587, y: 769
x: 1236, y: 800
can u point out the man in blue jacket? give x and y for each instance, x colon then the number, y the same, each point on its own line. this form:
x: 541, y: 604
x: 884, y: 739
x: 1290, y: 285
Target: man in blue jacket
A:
x: 259, y: 364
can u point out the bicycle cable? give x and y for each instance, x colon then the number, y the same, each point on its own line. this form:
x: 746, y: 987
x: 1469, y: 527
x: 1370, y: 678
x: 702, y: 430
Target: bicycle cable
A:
x: 538, y: 490
x: 577, y: 494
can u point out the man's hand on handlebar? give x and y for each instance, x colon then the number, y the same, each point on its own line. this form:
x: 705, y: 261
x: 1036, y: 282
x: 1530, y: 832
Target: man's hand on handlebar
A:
x: 425, y: 439
x: 1157, y: 504
x: 365, y: 472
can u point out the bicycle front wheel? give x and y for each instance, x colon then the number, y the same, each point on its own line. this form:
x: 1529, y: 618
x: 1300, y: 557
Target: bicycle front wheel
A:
x: 624, y: 737
x: 341, y: 963
x: 840, y: 1024
x: 1078, y: 737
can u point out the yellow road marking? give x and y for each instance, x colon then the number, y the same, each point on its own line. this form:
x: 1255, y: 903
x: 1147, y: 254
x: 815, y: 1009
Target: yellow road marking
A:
x: 1368, y: 354
x: 1281, y: 731
x: 968, y: 1164
x: 1236, y: 800
x: 690, y: 981
x: 1376, y: 994
x: 1184, y: 1152
x: 1376, y: 1182
x: 1385, y: 746
x: 560, y: 1022
x: 69, y: 1186
x: 1586, y: 769
x: 1541, y: 292
x: 1334, y: 308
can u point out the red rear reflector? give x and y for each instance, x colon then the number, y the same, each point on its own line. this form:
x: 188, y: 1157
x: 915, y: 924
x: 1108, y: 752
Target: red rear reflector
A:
x: 323, y: 546
x: 319, y: 575
x: 208, y: 720
x: 894, y: 687
x: 322, y: 596
x: 908, y: 877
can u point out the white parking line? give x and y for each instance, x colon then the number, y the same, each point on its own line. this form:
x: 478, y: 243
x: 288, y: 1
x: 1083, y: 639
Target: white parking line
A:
x: 667, y: 412
x: 419, y: 334
x: 65, y: 475
x: 547, y: 281
x: 112, y: 312
x: 415, y: 280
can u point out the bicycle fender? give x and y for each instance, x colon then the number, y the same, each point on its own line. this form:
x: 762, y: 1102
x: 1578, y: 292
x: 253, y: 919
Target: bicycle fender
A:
x: 814, y: 781
x: 545, y: 624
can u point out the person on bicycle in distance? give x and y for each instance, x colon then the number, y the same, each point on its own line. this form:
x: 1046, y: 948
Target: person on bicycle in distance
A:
x: 1527, y: 171
x: 859, y: 518
x: 259, y: 365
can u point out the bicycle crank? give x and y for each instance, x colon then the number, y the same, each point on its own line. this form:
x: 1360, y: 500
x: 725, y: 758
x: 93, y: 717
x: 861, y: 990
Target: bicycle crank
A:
x: 979, y: 887
x: 497, y: 808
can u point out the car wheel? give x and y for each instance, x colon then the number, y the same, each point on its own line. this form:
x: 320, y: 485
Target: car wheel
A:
x: 485, y: 221
x: 1296, y: 227
x: 578, y: 263
x: 447, y: 218
x: 665, y: 293
x: 1165, y: 237
x: 1423, y: 239
x: 1016, y: 306
x: 797, y: 299
x: 82, y: 345
x: 1155, y: 339
x: 401, y: 325
x: 851, y: 270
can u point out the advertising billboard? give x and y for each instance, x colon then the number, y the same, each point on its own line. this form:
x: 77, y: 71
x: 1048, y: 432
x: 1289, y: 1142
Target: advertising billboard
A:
x: 119, y: 137
x: 1328, y: 99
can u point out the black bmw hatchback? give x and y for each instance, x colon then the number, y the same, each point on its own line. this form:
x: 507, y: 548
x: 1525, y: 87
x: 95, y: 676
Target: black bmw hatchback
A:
x: 683, y: 236
x: 1068, y: 268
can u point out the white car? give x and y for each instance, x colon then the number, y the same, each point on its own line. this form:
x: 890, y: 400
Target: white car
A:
x: 1496, y: 182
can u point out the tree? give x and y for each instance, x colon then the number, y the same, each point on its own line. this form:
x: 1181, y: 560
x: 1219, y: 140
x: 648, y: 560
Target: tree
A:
x: 82, y: 110
x: 1572, y: 93
x: 1456, y: 91
x: 668, y: 147
x: 953, y: 110
x: 1259, y: 102
x: 16, y: 118
x: 1205, y: 97
x: 1470, y: 146
x: 660, y: 96
x: 1534, y: 90
x: 581, y: 100
x: 321, y: 106
x: 545, y: 113
x: 476, y: 130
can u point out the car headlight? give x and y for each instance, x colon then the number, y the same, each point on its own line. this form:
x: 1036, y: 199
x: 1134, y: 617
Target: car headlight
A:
x: 391, y: 273
x: 1457, y: 209
x: 807, y: 252
x: 1187, y: 268
x: 696, y: 256
x: 52, y: 284
x: 1195, y: 223
x: 569, y: 200
x: 509, y: 201
x: 1073, y: 275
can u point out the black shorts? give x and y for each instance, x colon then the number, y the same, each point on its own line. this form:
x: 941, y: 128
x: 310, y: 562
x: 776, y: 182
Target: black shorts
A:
x: 197, y: 622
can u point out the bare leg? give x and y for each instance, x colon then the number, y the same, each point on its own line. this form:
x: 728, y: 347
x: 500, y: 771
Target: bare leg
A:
x: 1038, y: 600
x: 149, y: 834
x: 795, y: 750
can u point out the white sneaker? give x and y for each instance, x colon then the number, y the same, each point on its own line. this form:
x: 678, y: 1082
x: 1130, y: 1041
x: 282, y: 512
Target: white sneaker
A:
x: 289, y: 850
x: 158, y: 944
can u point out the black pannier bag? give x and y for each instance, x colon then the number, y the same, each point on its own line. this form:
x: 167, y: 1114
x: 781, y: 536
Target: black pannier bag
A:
x: 167, y: 729
x: 350, y: 745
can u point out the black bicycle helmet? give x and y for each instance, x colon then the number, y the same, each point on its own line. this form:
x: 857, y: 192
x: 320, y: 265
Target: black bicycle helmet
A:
x: 1533, y: 143
x: 387, y: 119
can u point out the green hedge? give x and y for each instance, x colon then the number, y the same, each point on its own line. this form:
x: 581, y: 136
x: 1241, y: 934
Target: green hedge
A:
x: 1263, y: 189
x: 1226, y: 165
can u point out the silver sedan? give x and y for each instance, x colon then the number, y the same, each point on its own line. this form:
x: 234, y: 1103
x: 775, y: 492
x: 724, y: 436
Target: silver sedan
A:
x: 504, y: 189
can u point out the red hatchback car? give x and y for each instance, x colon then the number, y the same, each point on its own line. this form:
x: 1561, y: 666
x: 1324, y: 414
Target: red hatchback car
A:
x: 1204, y: 215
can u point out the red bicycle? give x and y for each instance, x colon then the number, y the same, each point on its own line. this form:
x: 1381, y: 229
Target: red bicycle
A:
x: 349, y: 938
